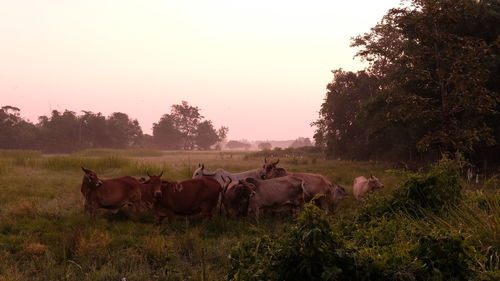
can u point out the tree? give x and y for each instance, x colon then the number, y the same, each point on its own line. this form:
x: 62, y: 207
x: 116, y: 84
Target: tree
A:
x: 237, y: 145
x: 60, y: 132
x: 301, y: 142
x: 206, y: 136
x: 122, y: 131
x: 15, y: 132
x: 222, y: 134
x: 166, y: 135
x: 435, y: 71
x: 186, y: 119
x: 430, y: 82
x: 92, y: 130
x: 264, y: 146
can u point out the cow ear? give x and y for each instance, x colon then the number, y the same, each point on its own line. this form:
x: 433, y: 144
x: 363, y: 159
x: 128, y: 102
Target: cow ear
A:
x: 147, y: 173
x: 199, y: 165
x: 265, y: 160
x: 203, y: 166
x: 161, y: 174
x: 86, y: 171
x: 371, y: 176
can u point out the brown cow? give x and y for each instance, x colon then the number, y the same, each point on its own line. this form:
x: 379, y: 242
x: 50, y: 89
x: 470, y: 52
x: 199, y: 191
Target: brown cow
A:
x: 274, y: 193
x: 316, y: 185
x: 110, y: 194
x: 150, y: 189
x: 192, y: 198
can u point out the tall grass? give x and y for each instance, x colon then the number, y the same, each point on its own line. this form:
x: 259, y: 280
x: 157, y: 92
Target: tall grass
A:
x: 119, y: 153
x: 60, y: 163
x: 12, y: 153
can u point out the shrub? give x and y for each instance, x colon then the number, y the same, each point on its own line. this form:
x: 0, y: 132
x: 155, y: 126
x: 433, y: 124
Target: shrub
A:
x: 439, y: 188
x: 433, y: 191
x: 445, y: 257
x: 308, y: 251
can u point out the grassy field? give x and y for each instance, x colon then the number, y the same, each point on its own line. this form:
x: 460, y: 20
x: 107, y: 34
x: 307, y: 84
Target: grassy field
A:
x: 45, y: 235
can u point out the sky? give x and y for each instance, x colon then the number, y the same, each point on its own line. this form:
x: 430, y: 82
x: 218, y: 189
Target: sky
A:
x: 259, y: 67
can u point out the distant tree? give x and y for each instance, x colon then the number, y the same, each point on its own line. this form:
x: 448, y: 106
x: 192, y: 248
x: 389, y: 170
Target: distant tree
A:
x: 222, y: 134
x: 301, y: 142
x: 93, y: 130
x: 166, y: 135
x: 60, y: 132
x: 122, y: 131
x: 186, y: 119
x: 206, y: 135
x: 237, y: 145
x: 264, y: 146
x: 15, y: 132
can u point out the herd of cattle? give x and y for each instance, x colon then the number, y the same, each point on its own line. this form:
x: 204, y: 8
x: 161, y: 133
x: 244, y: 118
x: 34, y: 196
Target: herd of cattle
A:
x: 269, y: 187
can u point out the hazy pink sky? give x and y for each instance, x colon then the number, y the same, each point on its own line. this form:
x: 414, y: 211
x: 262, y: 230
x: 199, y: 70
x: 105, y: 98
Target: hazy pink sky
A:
x: 258, y: 67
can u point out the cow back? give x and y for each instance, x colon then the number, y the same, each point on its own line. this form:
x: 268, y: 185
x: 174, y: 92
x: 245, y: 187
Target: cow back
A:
x: 185, y: 197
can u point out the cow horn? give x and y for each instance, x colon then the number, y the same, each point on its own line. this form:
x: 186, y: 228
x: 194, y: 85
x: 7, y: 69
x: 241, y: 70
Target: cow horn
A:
x: 147, y: 173
x: 265, y: 160
x: 161, y: 174
x: 371, y: 176
x: 203, y: 166
x: 276, y: 163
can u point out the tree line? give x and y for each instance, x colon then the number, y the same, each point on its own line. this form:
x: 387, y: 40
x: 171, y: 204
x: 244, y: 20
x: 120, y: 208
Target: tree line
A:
x: 431, y: 87
x: 183, y: 128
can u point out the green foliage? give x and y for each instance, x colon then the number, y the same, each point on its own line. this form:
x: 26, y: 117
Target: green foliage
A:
x: 431, y: 86
x: 445, y: 258
x: 308, y: 251
x: 432, y: 191
x: 439, y: 188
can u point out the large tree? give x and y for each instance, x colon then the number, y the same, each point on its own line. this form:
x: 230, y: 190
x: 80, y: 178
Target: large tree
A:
x: 122, y: 131
x: 206, y: 135
x: 434, y: 69
x: 166, y: 135
x: 61, y: 132
x: 15, y: 132
x: 186, y: 119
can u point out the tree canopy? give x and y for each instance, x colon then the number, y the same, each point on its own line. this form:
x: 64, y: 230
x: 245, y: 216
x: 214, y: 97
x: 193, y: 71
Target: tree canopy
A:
x: 431, y: 85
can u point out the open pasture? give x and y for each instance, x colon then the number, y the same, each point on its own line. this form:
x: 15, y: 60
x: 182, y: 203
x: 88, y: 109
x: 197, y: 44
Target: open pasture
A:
x: 45, y: 234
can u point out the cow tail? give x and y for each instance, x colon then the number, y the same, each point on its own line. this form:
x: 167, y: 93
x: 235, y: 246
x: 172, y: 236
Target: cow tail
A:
x: 304, y: 191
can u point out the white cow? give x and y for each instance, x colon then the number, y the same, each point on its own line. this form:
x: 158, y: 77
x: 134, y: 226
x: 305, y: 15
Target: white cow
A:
x: 222, y: 175
x: 363, y: 185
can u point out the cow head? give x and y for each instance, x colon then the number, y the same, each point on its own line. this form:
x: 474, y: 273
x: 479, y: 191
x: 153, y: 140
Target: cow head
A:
x: 155, y: 182
x: 238, y: 198
x: 91, y: 178
x: 200, y: 172
x: 269, y: 170
x: 374, y: 183
x: 338, y: 193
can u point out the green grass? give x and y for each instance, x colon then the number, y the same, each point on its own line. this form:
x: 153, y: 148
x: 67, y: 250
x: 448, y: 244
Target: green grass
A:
x: 45, y: 235
x: 119, y: 153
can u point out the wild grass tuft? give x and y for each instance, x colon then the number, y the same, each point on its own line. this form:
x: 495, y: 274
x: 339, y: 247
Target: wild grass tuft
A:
x: 119, y: 153
x: 58, y: 163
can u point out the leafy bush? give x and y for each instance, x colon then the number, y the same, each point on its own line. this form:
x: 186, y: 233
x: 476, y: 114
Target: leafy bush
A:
x: 445, y: 257
x: 433, y: 191
x: 438, y: 188
x: 308, y: 251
